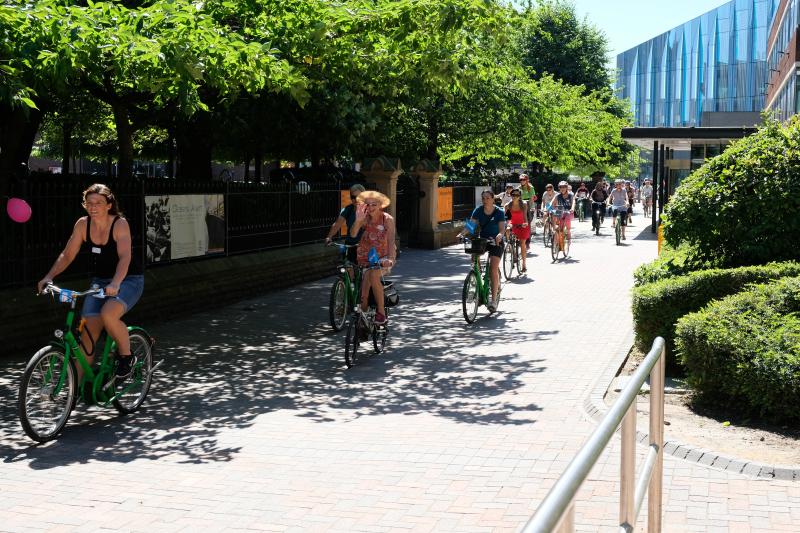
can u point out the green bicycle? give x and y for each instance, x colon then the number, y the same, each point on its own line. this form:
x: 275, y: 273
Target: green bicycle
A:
x: 362, y: 323
x: 50, y: 387
x: 344, y: 292
x: 477, y: 285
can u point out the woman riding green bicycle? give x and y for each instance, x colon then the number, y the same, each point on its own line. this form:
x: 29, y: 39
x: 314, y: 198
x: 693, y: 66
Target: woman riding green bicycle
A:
x: 492, y: 222
x: 105, y: 236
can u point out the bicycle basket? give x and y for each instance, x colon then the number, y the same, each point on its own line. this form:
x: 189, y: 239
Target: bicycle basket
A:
x: 390, y: 295
x: 475, y: 246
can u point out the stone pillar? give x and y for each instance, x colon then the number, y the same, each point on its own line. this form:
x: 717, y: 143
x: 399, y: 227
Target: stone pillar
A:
x: 384, y: 173
x: 428, y: 173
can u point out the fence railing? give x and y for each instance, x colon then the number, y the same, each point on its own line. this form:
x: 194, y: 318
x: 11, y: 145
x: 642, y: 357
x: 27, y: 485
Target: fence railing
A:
x: 246, y: 218
x: 557, y: 510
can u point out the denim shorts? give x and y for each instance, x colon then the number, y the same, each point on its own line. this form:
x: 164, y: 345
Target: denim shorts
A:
x: 129, y: 293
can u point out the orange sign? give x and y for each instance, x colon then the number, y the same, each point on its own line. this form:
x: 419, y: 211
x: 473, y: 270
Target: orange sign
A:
x: 345, y: 202
x: 445, y: 211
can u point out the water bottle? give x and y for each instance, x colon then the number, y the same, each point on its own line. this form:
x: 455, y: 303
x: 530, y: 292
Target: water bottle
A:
x: 373, y: 256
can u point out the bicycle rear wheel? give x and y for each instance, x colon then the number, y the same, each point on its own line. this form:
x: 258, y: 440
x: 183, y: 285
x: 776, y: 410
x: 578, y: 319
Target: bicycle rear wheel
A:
x: 469, y: 298
x: 337, y: 307
x: 508, y: 260
x: 352, y: 340
x: 133, y: 392
x: 42, y: 413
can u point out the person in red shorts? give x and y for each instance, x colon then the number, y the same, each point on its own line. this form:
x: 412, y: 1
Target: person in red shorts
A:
x: 517, y: 212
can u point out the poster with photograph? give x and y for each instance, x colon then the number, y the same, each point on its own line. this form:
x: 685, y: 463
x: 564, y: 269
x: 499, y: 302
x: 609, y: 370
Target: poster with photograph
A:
x: 184, y: 225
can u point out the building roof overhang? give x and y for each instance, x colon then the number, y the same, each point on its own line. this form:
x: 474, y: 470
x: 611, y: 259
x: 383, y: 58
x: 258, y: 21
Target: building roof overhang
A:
x: 683, y: 137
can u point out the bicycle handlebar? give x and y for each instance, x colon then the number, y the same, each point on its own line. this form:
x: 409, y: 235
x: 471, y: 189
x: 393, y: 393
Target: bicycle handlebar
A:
x: 52, y: 289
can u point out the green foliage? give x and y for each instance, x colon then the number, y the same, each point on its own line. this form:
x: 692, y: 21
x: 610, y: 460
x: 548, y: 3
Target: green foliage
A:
x: 745, y: 350
x: 741, y: 207
x: 657, y: 306
x: 554, y: 41
x: 670, y: 263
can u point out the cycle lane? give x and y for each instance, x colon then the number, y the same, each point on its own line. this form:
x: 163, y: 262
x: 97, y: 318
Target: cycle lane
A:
x: 255, y: 423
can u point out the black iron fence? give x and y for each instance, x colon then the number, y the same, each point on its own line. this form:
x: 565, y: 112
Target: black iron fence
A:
x: 245, y: 218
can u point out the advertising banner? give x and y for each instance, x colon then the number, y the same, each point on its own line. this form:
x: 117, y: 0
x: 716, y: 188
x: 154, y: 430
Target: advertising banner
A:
x: 184, y: 225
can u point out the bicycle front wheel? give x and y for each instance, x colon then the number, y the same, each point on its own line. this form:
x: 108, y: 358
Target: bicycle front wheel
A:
x: 554, y: 246
x: 337, y: 307
x: 508, y: 261
x: 547, y: 235
x: 618, y: 230
x: 469, y: 298
x: 565, y: 247
x: 352, y: 341
x: 43, y: 411
x: 379, y: 337
x: 132, y: 393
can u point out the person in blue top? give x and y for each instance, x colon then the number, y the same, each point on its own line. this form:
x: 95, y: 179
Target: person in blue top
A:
x: 347, y: 216
x: 492, y: 222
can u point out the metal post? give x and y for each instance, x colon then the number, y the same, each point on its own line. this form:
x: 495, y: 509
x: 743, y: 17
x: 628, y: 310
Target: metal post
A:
x: 627, y: 473
x: 654, y: 491
x: 655, y: 198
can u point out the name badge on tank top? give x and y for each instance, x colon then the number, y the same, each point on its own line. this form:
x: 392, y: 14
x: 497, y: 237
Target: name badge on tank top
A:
x: 96, y: 250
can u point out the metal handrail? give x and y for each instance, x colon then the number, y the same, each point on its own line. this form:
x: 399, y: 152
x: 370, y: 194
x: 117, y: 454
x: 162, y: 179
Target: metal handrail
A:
x: 557, y: 510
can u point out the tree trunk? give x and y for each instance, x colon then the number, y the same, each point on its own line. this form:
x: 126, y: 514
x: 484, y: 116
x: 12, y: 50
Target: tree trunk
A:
x: 18, y: 129
x: 193, y: 137
x: 109, y: 167
x: 432, y: 148
x: 66, y: 147
x: 171, y: 155
x: 122, y: 122
x: 258, y: 166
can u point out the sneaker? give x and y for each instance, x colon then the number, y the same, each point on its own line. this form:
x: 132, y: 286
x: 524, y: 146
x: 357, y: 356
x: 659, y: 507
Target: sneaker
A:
x: 125, y: 367
x: 380, y: 319
x: 492, y: 306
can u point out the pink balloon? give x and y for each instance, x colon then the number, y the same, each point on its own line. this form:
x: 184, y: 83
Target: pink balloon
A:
x: 18, y: 210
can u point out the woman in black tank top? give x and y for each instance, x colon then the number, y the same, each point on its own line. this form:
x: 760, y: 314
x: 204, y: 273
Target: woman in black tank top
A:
x: 105, y: 235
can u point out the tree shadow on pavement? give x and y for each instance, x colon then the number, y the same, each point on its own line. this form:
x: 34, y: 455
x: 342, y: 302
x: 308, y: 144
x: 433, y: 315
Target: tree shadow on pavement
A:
x: 224, y: 368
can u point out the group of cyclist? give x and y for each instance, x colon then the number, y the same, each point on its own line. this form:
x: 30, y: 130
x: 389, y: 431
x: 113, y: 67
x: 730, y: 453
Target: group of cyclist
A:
x: 104, y: 234
x: 518, y: 210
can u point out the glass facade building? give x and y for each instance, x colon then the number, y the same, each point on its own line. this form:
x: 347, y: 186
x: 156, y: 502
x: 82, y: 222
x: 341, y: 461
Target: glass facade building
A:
x: 712, y: 65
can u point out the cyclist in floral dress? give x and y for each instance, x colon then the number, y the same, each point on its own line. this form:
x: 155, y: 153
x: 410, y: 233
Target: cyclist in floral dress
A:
x: 379, y: 233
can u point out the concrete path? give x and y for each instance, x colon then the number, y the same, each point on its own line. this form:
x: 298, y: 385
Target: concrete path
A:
x: 255, y: 424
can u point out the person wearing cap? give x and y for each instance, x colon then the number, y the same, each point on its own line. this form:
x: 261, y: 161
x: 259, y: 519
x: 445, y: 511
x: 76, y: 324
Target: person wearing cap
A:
x: 378, y: 233
x: 347, y: 217
x: 529, y: 197
x: 565, y: 201
x: 505, y: 196
x: 647, y: 194
x: 618, y: 200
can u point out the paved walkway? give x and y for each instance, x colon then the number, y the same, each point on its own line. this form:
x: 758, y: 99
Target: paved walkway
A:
x: 254, y: 423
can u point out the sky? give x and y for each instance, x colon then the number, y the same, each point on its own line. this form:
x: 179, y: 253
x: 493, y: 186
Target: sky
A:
x: 627, y: 23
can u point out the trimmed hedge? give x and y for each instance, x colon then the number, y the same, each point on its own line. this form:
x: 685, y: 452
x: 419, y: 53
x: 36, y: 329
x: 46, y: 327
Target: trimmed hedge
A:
x: 740, y: 208
x: 745, y: 350
x: 657, y: 306
x: 672, y: 262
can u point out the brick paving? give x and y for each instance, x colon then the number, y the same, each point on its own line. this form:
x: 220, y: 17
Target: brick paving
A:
x: 255, y: 424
